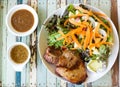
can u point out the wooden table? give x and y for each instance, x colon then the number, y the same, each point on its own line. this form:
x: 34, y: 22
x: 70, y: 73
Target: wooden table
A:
x: 35, y: 74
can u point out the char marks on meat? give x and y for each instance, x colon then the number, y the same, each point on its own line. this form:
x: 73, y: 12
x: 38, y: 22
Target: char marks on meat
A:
x: 76, y: 75
x: 69, y: 64
x: 52, y: 55
x: 68, y: 59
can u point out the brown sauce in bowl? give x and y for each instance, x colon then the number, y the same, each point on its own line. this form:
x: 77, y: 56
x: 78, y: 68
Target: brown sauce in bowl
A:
x: 19, y: 54
x: 22, y: 20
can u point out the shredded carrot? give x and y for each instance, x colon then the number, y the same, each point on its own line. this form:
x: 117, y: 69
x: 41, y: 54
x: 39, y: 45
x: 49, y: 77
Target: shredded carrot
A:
x: 109, y: 43
x: 100, y: 14
x: 90, y: 37
x: 102, y: 23
x: 94, y: 45
x: 90, y: 52
x: 85, y: 23
x: 97, y: 40
x: 69, y: 40
x: 83, y: 33
x: 63, y: 36
x: 65, y: 23
x: 75, y: 48
x: 96, y: 30
x: 78, y: 15
x: 76, y: 41
x: 82, y: 41
x: 97, y: 34
x: 86, y: 42
x: 61, y: 33
x: 74, y: 22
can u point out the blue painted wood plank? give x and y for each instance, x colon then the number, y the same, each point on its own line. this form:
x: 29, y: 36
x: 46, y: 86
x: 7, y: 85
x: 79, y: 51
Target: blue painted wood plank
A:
x: 75, y: 85
x: 19, y: 1
x: 24, y: 72
x: 18, y: 79
x: 70, y: 85
x: 81, y: 86
x: 18, y: 74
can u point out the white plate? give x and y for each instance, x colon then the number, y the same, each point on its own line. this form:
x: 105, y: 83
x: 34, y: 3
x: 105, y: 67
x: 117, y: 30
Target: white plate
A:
x: 91, y: 76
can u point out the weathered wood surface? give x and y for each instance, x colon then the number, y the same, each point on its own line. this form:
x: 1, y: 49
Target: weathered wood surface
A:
x: 35, y: 74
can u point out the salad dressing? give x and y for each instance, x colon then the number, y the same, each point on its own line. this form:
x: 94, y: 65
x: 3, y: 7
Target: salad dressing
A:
x: 19, y: 54
x: 22, y: 20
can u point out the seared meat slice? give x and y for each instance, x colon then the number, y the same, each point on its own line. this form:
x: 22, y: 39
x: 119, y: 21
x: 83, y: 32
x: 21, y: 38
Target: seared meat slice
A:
x: 68, y: 59
x: 76, y: 75
x: 52, y: 55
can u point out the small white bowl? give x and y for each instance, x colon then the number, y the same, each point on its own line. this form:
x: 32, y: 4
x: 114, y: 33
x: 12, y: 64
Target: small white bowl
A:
x: 12, y: 11
x: 18, y: 66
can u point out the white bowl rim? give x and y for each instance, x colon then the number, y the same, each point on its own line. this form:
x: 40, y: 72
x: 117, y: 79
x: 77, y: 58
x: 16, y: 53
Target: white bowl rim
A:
x: 12, y: 11
x: 18, y: 66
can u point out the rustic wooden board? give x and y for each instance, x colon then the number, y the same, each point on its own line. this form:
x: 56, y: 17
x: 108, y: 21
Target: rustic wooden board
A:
x: 1, y: 15
x: 8, y: 39
x: 115, y: 69
x: 118, y: 10
x: 35, y: 73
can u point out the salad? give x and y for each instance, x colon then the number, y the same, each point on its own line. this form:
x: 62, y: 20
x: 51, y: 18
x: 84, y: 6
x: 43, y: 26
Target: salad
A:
x: 85, y: 31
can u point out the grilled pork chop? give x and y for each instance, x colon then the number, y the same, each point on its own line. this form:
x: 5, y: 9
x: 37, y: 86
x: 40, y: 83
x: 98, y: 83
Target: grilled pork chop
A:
x: 68, y: 59
x: 52, y: 55
x: 76, y: 75
x: 68, y: 64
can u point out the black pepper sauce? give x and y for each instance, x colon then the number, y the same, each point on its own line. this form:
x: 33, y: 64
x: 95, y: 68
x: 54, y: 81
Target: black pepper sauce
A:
x: 22, y: 20
x: 19, y: 54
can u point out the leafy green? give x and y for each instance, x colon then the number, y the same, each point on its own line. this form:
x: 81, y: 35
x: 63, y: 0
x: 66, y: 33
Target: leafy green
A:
x: 94, y: 56
x: 52, y: 40
x: 70, y: 46
x: 87, y: 59
x: 104, y: 20
x: 102, y: 27
x: 110, y: 38
x: 104, y: 49
x: 51, y: 26
x: 79, y: 38
x: 63, y: 29
x: 104, y: 52
x: 71, y: 8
